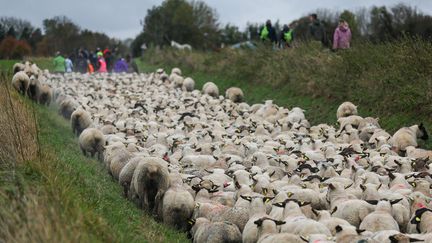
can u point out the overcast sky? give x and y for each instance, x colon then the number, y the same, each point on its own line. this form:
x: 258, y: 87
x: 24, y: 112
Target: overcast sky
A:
x: 121, y: 18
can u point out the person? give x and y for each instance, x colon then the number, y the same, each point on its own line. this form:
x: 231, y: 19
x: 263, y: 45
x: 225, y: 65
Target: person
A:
x: 286, y: 37
x: 68, y: 64
x: 90, y: 68
x: 120, y: 66
x: 132, y: 66
x: 81, y: 63
x: 107, y: 54
x: 317, y: 30
x: 268, y: 33
x: 342, y: 36
x: 59, y: 63
x: 102, y: 68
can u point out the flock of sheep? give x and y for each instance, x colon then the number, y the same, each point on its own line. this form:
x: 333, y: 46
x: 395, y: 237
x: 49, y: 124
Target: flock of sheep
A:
x: 227, y: 171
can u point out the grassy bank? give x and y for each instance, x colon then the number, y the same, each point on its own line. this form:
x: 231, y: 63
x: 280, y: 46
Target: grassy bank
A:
x: 391, y: 81
x: 50, y: 192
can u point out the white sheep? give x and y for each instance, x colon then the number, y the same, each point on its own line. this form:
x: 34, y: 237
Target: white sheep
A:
x: 92, y: 141
x: 21, y: 82
x: 177, y: 207
x: 45, y: 95
x: 211, y: 89
x: 188, y: 84
x: 346, y: 109
x: 234, y: 94
x: 407, y: 136
x: 80, y: 120
x: 381, y: 219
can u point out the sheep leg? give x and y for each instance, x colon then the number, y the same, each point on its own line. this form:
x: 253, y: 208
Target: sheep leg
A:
x: 84, y: 151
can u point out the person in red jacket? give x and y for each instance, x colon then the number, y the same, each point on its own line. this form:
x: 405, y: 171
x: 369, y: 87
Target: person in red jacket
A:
x: 102, y: 63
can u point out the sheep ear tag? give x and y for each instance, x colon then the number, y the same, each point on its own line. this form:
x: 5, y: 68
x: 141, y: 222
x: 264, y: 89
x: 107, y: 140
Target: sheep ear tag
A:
x: 417, y: 219
x: 191, y: 221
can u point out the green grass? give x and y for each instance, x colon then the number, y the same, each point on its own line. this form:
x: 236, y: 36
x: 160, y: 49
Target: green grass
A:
x: 392, y: 81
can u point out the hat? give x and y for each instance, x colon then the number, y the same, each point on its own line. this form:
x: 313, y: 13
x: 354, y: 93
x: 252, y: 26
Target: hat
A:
x: 99, y: 54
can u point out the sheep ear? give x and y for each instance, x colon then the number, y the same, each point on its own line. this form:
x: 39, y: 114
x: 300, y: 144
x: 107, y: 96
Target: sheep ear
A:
x: 379, y: 186
x: 191, y: 221
x: 359, y: 231
x: 373, y: 202
x: 315, y: 212
x: 247, y: 198
x: 276, y: 191
x: 338, y: 228
x: 349, y: 186
x: 331, y: 186
x: 305, y: 238
x: 279, y: 222
x: 259, y: 222
x: 267, y: 199
x: 391, y: 175
x: 264, y: 190
x: 362, y: 187
x: 413, y: 184
x: 301, y: 204
x: 334, y: 210
x: 415, y: 240
x: 237, y: 185
x: 289, y: 194
x: 395, y: 201
x: 280, y: 204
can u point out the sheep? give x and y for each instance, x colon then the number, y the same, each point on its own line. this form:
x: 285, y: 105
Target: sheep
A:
x: 176, y: 70
x: 407, y: 136
x: 330, y: 222
x: 67, y: 107
x: 34, y: 88
x: 92, y: 141
x: 177, y: 207
x: 126, y: 174
x: 234, y: 94
x: 211, y: 89
x: 118, y: 161
x: 421, y: 221
x: 381, y: 219
x: 268, y: 232
x: 45, y: 95
x: 204, y: 231
x: 346, y: 109
x: 80, y: 120
x: 348, y: 234
x: 21, y: 82
x: 149, y: 182
x: 188, y: 84
x: 17, y: 67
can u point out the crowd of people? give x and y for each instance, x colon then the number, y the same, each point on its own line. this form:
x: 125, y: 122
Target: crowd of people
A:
x: 101, y: 61
x: 341, y: 36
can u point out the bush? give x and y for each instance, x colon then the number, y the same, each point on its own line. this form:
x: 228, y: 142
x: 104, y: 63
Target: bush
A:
x: 11, y: 48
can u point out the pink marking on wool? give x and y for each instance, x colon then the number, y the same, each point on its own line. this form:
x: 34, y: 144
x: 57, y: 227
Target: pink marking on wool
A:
x: 280, y: 152
x: 420, y: 205
x: 226, y: 184
x: 357, y: 158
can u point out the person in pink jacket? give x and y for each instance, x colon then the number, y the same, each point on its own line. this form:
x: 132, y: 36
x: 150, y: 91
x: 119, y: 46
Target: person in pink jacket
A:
x: 342, y: 36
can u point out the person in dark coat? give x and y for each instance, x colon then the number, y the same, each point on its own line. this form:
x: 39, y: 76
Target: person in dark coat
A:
x: 120, y: 66
x: 132, y: 66
x: 81, y: 63
x: 317, y: 31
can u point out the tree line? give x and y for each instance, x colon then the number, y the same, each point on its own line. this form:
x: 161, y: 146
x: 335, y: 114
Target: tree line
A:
x: 19, y: 38
x: 197, y: 24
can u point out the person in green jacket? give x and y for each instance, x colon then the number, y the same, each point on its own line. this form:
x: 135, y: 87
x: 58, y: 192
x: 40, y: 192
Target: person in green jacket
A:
x: 59, y: 63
